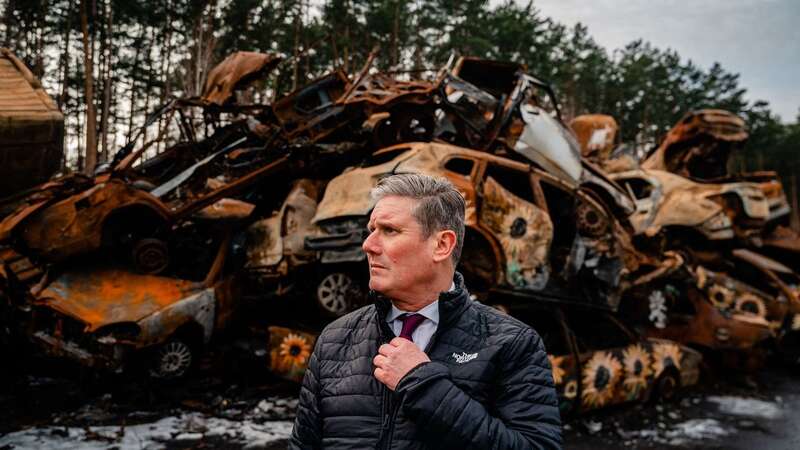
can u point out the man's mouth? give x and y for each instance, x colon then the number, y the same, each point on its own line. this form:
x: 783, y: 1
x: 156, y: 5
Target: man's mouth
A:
x: 376, y: 266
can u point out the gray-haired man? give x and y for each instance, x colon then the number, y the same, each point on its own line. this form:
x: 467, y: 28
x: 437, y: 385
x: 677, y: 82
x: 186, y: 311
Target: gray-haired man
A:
x: 424, y: 366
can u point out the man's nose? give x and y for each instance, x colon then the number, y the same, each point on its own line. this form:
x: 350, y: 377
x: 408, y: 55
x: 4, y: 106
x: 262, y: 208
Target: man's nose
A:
x: 371, y: 244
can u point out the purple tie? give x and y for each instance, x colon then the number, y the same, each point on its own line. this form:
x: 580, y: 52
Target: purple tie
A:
x: 410, y: 323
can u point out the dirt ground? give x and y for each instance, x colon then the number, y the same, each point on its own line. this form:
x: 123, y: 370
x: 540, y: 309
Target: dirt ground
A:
x: 232, y: 402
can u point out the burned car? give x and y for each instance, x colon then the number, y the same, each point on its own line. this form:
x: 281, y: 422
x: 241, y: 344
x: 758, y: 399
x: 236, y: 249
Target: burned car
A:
x: 596, y: 360
x: 679, y: 307
x: 511, y: 208
x: 699, y: 145
x: 113, y: 319
x: 665, y: 201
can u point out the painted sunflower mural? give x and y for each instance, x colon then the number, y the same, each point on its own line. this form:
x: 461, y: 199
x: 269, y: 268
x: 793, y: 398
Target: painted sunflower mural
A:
x: 571, y: 389
x: 750, y: 303
x: 637, y: 368
x: 600, y: 376
x: 796, y: 322
x: 289, y: 352
x: 665, y: 355
x: 721, y: 296
x: 558, y: 370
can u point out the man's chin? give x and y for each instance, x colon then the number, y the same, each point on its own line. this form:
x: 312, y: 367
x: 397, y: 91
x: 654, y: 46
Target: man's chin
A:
x: 378, y: 285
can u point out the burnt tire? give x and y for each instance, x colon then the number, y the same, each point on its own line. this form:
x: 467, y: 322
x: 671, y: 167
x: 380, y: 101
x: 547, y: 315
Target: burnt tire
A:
x: 337, y: 293
x: 150, y: 256
x: 171, y: 360
x: 590, y: 222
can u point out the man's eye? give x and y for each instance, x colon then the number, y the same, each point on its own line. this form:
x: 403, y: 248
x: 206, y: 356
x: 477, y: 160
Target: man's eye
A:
x: 389, y: 231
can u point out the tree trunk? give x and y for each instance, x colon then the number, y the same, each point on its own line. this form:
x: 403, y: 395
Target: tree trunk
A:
x: 132, y: 110
x: 91, y: 119
x: 795, y: 219
x: 108, y: 53
x: 62, y: 99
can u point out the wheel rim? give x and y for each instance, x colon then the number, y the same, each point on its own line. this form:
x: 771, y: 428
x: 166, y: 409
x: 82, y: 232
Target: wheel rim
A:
x: 174, y: 359
x: 333, y: 291
x: 151, y: 256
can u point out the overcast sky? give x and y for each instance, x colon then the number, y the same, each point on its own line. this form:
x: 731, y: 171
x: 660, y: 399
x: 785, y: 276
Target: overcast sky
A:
x: 759, y: 39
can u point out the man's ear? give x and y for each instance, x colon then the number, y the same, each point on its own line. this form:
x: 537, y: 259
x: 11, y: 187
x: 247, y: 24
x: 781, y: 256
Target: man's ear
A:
x: 444, y: 245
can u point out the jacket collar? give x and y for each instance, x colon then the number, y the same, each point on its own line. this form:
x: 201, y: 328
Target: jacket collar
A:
x: 451, y: 303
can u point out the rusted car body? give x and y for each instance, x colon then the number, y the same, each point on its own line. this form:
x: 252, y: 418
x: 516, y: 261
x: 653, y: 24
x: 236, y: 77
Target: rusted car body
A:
x: 31, y: 130
x: 597, y: 362
x: 676, y: 308
x: 108, y: 318
x: 511, y: 208
x: 716, y: 211
x: 699, y: 145
x: 117, y: 212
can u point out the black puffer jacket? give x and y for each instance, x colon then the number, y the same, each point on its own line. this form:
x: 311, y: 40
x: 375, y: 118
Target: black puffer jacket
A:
x: 488, y: 385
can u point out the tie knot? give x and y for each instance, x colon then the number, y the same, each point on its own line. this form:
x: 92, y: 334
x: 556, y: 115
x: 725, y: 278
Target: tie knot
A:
x: 410, y: 323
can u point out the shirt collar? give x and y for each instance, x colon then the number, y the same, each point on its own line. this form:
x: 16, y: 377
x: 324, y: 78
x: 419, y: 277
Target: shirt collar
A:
x: 430, y: 312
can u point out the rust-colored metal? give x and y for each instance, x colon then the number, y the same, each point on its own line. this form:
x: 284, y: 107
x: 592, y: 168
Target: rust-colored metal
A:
x: 698, y: 146
x: 717, y: 211
x: 596, y: 135
x: 237, y: 70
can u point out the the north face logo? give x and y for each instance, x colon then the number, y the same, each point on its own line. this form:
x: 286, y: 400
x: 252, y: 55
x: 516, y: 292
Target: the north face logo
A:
x: 464, y: 357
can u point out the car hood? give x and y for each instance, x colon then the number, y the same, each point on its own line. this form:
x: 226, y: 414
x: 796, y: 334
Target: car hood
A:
x: 102, y: 297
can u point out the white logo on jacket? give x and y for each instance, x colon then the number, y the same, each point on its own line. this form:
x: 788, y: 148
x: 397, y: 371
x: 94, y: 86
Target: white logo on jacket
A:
x: 464, y: 357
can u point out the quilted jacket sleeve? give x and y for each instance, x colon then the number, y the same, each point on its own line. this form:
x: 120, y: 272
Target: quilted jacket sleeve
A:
x: 525, y: 414
x: 307, y: 431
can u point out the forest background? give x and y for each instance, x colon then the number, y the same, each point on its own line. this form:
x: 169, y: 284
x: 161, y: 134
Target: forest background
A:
x: 109, y: 62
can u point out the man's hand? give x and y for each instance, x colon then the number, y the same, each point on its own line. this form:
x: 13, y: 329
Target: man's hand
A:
x: 395, y: 359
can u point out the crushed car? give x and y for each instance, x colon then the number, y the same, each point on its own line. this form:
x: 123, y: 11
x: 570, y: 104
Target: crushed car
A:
x: 114, y: 319
x: 666, y: 201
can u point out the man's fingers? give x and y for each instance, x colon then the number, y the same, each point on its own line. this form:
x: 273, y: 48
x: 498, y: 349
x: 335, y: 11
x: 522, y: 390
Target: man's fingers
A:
x: 398, y: 341
x: 386, y: 349
x: 379, y: 360
x: 380, y: 374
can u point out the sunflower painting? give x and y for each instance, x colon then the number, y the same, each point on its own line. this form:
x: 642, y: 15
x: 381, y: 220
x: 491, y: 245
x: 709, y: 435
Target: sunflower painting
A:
x: 637, y: 368
x: 600, y: 376
x: 571, y: 389
x: 558, y: 371
x: 289, y: 352
x: 796, y: 322
x: 665, y: 355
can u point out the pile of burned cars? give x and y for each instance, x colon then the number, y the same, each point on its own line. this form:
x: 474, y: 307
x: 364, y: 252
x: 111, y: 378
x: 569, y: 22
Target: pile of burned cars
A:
x: 633, y: 268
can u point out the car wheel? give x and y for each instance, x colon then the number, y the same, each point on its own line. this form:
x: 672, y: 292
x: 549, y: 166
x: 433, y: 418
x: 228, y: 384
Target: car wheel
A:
x: 590, y: 222
x: 172, y: 360
x: 337, y: 293
x: 150, y: 256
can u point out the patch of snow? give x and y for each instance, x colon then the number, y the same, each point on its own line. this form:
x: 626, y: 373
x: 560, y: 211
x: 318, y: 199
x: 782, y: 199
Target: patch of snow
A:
x: 694, y: 430
x: 680, y: 433
x: 149, y: 436
x: 747, y: 407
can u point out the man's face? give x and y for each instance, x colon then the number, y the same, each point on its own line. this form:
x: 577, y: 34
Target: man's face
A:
x: 399, y: 255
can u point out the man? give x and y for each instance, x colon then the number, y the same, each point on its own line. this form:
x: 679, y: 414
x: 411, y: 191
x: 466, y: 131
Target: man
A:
x: 424, y: 367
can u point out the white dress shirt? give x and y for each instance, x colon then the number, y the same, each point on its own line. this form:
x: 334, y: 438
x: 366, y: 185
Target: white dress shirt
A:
x: 422, y: 335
